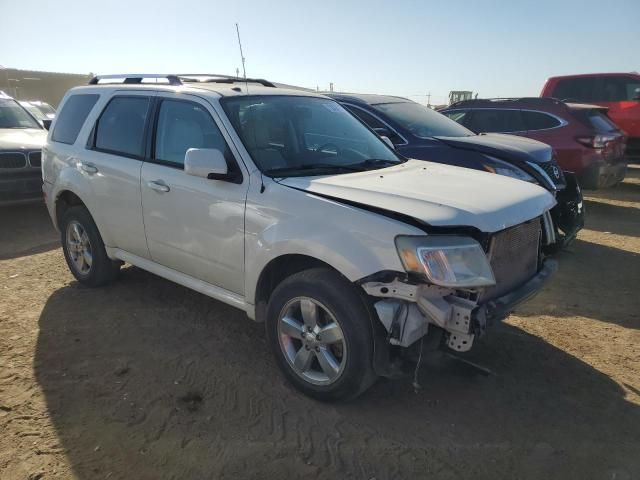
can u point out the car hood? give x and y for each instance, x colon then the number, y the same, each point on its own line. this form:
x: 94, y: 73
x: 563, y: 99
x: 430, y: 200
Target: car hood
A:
x: 22, y: 138
x: 435, y: 194
x: 503, y: 146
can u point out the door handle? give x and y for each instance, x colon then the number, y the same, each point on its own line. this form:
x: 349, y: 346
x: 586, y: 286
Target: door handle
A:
x: 88, y: 167
x: 158, y: 186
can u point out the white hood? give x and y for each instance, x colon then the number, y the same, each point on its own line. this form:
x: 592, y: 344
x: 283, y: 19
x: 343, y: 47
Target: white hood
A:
x: 22, y: 138
x: 439, y: 195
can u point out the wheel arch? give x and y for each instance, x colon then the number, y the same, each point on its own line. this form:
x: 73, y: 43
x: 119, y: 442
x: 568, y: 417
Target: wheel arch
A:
x: 276, y: 270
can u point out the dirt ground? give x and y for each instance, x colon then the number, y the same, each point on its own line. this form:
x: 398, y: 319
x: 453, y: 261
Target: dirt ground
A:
x: 145, y: 379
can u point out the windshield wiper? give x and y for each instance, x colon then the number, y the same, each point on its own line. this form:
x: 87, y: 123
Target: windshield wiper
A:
x: 375, y: 163
x: 314, y: 166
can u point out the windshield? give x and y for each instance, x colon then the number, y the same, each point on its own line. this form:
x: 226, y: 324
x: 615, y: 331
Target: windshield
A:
x: 33, y: 110
x: 422, y: 121
x: 296, y: 136
x: 45, y: 108
x: 13, y: 115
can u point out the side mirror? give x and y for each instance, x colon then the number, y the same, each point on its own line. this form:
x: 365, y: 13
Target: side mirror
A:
x: 388, y: 141
x: 46, y: 123
x: 206, y: 163
x: 636, y: 95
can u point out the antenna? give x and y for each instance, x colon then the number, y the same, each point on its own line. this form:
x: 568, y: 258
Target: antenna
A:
x: 244, y: 71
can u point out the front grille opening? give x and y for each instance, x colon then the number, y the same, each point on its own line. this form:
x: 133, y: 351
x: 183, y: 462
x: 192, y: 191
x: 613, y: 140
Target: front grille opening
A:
x: 35, y: 159
x: 513, y: 255
x: 12, y: 160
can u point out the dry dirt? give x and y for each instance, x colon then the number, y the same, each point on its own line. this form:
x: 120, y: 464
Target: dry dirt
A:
x: 145, y: 379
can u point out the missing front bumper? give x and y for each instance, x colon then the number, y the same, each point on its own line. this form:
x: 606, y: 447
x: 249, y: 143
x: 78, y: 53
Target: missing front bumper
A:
x: 408, y: 311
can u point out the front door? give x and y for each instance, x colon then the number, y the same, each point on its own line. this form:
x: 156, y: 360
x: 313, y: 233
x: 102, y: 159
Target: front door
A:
x: 193, y: 225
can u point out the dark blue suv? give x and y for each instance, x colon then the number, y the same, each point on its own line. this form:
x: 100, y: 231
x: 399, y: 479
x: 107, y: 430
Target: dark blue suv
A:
x: 421, y: 133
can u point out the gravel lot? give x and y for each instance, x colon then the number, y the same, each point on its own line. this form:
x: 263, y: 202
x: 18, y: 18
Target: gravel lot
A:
x: 145, y: 379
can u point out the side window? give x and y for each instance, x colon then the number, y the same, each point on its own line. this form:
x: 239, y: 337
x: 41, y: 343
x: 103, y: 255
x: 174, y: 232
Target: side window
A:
x: 495, y: 120
x: 457, y: 116
x: 539, y: 121
x: 183, y: 125
x: 120, y: 128
x: 72, y: 116
x: 373, y: 123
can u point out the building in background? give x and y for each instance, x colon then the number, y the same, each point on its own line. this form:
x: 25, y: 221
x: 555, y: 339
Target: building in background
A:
x: 49, y: 87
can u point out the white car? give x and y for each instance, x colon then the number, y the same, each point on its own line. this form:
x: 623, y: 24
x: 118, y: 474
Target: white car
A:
x: 281, y: 203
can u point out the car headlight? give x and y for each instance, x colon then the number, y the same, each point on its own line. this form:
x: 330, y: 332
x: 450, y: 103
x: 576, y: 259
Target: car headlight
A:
x: 494, y: 165
x: 446, y: 260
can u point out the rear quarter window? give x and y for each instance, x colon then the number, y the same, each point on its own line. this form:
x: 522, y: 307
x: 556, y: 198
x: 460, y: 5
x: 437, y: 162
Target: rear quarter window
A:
x: 539, y: 121
x: 72, y: 116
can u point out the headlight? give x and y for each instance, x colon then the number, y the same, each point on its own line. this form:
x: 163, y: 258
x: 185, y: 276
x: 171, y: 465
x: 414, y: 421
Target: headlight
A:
x: 446, y: 260
x: 494, y: 165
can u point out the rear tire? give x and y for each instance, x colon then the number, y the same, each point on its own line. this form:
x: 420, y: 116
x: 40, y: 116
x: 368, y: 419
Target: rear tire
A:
x: 84, y: 249
x: 320, y: 332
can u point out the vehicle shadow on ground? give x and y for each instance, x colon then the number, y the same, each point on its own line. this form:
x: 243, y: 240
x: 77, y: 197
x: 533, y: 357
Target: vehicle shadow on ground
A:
x: 604, y: 291
x: 146, y: 379
x: 618, y: 219
x: 26, y: 230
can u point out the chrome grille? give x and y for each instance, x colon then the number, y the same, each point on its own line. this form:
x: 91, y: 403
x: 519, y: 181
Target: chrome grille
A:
x: 555, y: 173
x: 12, y: 160
x: 513, y: 255
x: 35, y: 159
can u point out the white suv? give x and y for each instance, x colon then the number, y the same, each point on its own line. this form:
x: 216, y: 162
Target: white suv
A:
x: 281, y: 203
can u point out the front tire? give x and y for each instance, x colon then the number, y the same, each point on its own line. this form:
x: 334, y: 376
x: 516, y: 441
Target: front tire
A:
x: 84, y: 249
x: 320, y: 332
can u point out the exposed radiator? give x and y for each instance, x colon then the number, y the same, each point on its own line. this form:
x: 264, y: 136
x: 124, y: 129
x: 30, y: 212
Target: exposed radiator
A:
x: 513, y: 255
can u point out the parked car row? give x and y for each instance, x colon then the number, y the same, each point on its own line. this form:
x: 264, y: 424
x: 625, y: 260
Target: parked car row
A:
x: 421, y: 133
x: 585, y: 140
x: 361, y: 229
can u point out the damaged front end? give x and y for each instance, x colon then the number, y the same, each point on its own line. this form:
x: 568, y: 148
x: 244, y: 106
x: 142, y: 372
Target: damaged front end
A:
x: 455, y: 287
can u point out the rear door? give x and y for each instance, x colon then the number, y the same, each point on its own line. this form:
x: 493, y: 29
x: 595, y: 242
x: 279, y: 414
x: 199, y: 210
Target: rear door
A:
x: 193, y: 225
x: 111, y: 164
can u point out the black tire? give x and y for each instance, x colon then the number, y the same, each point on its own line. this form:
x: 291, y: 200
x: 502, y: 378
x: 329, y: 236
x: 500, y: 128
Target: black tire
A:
x: 103, y: 270
x: 343, y: 301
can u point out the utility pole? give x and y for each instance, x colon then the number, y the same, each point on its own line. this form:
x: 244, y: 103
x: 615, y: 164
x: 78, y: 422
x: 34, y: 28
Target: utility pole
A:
x: 429, y: 99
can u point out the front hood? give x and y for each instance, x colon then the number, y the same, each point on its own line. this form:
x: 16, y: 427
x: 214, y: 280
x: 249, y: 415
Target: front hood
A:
x: 22, y: 138
x: 503, y: 146
x: 435, y: 194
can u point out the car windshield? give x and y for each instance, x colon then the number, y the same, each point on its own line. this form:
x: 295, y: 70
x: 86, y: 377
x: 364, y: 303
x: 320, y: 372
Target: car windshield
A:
x: 422, y: 121
x: 12, y: 115
x: 33, y: 110
x: 299, y: 136
x: 45, y: 108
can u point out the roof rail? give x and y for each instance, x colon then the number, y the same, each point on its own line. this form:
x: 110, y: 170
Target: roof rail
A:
x: 178, y: 79
x: 217, y: 78
x: 490, y: 101
x: 135, y: 78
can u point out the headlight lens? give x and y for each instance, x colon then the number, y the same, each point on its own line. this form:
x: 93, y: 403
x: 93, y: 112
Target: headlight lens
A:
x: 494, y: 165
x: 446, y: 260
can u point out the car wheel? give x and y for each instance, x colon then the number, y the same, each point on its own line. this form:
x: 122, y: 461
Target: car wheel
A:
x: 84, y: 249
x: 320, y: 331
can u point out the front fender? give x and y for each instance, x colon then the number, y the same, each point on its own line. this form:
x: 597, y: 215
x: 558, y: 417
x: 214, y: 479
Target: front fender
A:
x: 355, y: 242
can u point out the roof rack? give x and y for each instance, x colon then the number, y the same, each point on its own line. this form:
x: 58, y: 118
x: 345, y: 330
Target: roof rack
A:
x: 490, y: 101
x: 178, y: 79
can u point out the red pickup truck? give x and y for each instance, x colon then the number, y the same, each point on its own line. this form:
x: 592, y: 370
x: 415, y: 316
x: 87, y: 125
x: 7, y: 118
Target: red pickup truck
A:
x: 619, y: 92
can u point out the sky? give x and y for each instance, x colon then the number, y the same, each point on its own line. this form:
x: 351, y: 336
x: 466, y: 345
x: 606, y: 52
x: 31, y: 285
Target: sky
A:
x: 396, y: 47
